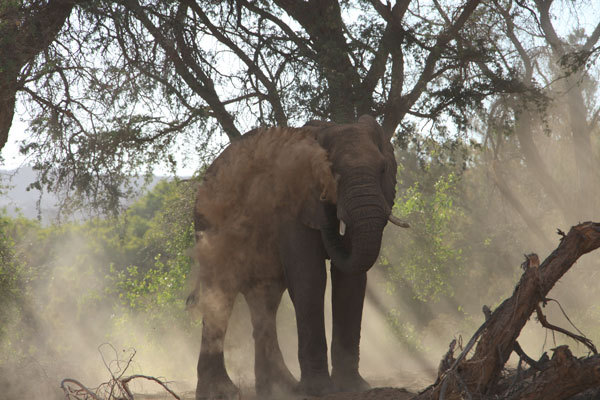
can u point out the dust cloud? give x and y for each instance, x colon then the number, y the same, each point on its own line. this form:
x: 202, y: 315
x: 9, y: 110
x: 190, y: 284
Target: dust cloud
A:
x: 61, y: 335
x: 67, y: 329
x: 65, y: 333
x: 385, y: 361
x: 66, y: 341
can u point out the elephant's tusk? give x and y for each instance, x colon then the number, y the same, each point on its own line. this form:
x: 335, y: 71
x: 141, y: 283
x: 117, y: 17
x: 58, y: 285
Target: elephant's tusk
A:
x: 397, y: 221
x: 342, y: 228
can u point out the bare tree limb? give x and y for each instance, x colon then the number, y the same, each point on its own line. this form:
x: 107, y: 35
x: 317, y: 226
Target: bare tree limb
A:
x: 582, y: 339
x: 253, y: 67
x: 184, y: 62
x: 125, y: 381
x: 398, y: 108
x: 564, y: 376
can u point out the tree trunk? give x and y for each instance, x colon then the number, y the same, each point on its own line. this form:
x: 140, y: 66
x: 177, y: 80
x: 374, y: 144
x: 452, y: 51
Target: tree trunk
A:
x: 24, y: 34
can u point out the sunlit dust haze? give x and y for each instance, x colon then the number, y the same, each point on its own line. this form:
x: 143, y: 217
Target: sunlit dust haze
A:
x: 64, y: 332
x: 91, y: 301
x: 463, y: 251
x: 405, y: 329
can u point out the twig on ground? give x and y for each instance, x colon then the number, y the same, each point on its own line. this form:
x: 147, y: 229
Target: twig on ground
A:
x: 125, y: 382
x: 117, y: 388
x: 68, y: 391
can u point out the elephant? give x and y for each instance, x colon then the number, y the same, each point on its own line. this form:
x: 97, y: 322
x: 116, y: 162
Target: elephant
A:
x: 271, y: 209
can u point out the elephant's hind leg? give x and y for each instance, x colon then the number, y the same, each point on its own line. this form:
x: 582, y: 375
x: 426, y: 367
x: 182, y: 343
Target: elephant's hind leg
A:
x: 213, y: 380
x: 270, y: 370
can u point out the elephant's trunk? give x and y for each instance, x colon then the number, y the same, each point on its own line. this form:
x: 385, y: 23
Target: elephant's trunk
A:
x: 367, y: 214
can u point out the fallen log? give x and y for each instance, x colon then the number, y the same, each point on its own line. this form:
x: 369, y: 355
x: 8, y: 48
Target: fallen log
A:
x: 562, y: 376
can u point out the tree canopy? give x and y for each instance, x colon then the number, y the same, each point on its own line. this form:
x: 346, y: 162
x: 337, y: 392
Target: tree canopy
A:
x: 114, y: 88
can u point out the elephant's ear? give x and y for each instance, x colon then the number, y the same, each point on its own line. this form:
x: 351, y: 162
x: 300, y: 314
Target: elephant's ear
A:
x: 313, y: 213
x: 324, y: 190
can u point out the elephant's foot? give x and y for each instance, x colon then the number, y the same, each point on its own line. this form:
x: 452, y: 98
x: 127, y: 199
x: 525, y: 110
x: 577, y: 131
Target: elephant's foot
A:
x: 320, y: 385
x: 276, y: 381
x: 216, y: 388
x: 349, y: 381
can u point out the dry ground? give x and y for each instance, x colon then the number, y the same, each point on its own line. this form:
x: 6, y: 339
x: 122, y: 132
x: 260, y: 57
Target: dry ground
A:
x: 373, y: 394
x: 400, y: 385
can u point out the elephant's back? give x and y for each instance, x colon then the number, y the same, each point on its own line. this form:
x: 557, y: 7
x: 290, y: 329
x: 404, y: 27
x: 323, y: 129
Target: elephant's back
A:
x: 256, y: 183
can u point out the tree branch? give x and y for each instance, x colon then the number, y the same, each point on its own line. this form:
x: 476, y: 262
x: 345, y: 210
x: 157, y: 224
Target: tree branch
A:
x: 200, y: 83
x: 253, y: 67
x: 323, y: 22
x: 398, y: 108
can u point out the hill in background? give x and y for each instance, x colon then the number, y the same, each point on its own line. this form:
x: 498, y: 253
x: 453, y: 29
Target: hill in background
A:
x: 15, y: 199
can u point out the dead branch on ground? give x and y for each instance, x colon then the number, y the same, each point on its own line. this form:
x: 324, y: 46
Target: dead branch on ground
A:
x: 126, y: 380
x: 117, y: 388
x: 560, y: 377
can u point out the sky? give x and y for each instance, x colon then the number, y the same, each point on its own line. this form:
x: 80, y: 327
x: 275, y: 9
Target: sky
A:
x: 12, y: 159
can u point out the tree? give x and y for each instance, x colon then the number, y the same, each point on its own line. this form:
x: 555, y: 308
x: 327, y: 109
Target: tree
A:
x: 557, y: 107
x: 131, y: 82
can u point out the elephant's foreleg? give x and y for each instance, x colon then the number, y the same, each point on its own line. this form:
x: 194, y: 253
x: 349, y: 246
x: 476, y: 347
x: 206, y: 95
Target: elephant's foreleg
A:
x: 347, y: 298
x: 304, y: 264
x: 213, y: 380
x: 269, y: 368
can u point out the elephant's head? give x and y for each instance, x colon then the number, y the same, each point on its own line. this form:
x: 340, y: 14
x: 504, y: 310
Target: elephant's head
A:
x: 363, y: 164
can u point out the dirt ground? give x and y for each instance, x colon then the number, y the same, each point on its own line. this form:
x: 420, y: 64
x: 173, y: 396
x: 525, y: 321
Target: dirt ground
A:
x: 380, y: 393
x: 373, y: 394
x: 387, y: 393
x: 398, y: 385
x: 382, y: 390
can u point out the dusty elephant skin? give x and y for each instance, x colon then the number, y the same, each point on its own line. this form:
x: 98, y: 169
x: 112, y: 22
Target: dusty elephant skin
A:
x: 272, y: 208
